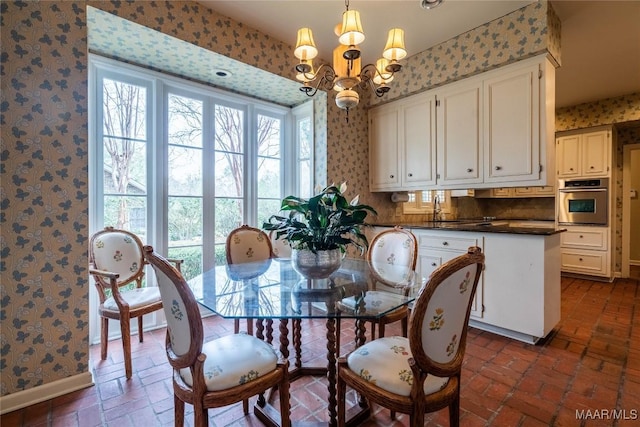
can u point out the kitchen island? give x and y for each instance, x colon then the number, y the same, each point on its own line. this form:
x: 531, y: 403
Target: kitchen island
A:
x: 519, y: 292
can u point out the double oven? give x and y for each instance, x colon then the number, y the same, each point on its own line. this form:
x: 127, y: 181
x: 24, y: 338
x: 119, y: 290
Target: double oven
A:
x: 583, y: 201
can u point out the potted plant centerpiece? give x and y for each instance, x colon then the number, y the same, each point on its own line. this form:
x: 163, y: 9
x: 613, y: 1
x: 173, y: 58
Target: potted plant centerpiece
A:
x: 320, y: 229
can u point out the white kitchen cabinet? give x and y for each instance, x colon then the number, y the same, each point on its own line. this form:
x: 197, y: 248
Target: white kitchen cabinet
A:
x: 459, y: 133
x: 586, y: 250
x: 517, y: 192
x: 384, y: 173
x: 511, y: 124
x: 402, y: 144
x: 492, y: 129
x: 584, y: 155
x: 436, y: 248
x: 521, y: 285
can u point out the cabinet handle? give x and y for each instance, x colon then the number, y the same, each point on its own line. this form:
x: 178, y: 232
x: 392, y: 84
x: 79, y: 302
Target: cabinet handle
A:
x: 591, y: 167
x: 433, y: 264
x: 410, y: 174
x: 581, y: 236
x: 571, y: 169
x: 445, y: 243
x: 498, y: 168
x: 580, y: 259
x: 469, y: 170
x: 390, y: 176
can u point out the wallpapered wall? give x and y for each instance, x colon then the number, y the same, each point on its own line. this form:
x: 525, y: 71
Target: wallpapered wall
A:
x: 44, y: 291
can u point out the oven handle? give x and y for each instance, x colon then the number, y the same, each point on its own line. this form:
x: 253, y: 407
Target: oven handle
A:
x: 581, y: 190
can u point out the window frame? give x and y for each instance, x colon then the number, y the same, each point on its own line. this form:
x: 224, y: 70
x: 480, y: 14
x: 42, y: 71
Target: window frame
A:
x: 416, y: 205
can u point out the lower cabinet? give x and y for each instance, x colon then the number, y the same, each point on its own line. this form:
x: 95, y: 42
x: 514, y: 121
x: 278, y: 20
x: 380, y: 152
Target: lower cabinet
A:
x: 436, y: 248
x: 586, y: 250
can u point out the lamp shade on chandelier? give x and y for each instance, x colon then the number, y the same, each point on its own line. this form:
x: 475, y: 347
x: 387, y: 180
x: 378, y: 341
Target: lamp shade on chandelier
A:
x: 347, y: 75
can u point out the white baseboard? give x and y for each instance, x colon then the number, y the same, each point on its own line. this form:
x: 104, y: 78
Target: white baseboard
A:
x: 24, y: 398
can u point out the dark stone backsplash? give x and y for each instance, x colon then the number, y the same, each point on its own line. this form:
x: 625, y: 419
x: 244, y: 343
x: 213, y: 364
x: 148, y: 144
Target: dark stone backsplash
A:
x: 538, y: 208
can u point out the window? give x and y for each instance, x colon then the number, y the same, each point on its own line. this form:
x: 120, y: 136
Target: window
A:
x: 181, y: 164
x: 421, y: 202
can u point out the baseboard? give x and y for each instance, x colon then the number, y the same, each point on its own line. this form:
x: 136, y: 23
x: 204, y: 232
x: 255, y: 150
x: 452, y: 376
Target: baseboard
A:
x: 24, y: 398
x: 634, y: 262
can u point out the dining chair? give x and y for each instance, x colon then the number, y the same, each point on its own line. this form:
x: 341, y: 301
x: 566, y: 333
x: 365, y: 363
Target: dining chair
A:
x: 421, y: 373
x: 216, y: 373
x: 247, y: 244
x: 281, y: 247
x: 116, y: 263
x: 395, y: 247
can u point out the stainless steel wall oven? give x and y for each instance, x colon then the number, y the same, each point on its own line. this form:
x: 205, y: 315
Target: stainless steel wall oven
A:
x: 583, y: 201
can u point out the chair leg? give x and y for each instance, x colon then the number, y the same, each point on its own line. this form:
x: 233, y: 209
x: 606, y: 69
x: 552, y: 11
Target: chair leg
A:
x: 285, y: 405
x: 405, y: 326
x: 104, y: 337
x: 178, y: 411
x: 200, y: 415
x: 381, y: 329
x: 126, y: 344
x: 140, y: 337
x: 236, y: 326
x: 373, y: 331
x: 454, y: 412
x: 245, y: 406
x: 342, y: 405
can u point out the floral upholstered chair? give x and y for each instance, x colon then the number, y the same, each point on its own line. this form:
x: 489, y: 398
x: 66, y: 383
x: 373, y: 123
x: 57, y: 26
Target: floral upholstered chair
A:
x: 388, y: 250
x: 116, y: 262
x: 219, y: 372
x: 420, y: 373
x: 281, y: 247
x: 247, y: 244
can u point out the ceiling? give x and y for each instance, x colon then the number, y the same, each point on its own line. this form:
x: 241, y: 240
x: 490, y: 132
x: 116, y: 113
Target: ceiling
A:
x: 600, y: 39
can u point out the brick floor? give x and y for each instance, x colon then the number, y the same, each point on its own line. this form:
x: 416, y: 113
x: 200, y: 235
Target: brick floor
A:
x: 589, y: 364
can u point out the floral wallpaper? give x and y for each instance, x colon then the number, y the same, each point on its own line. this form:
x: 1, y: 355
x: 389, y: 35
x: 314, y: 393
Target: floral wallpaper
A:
x: 526, y: 32
x: 44, y: 188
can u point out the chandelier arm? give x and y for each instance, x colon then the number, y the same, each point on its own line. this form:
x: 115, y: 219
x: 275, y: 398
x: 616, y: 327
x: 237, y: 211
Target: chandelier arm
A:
x: 323, y: 78
x: 367, y: 74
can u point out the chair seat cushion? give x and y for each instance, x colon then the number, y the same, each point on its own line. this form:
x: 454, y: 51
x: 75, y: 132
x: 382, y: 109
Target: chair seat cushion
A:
x: 385, y: 363
x: 138, y: 297
x: 233, y: 360
x: 374, y: 302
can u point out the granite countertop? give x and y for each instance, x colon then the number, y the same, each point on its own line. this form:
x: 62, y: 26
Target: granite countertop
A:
x: 530, y: 227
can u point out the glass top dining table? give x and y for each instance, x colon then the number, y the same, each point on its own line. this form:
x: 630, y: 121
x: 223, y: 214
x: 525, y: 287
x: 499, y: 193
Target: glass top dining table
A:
x: 273, y: 290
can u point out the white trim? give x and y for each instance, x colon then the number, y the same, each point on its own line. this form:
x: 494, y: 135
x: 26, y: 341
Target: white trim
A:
x: 24, y: 398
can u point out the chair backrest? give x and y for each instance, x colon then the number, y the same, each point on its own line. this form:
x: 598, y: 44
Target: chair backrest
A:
x: 247, y: 244
x: 281, y: 248
x: 117, y: 251
x: 439, y: 319
x: 184, y: 325
x: 394, y: 247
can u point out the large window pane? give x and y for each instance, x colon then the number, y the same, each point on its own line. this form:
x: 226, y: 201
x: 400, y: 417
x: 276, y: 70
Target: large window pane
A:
x: 229, y: 215
x: 268, y: 136
x: 128, y: 213
x: 124, y: 110
x: 192, y: 260
x: 185, y: 220
x: 124, y: 169
x: 185, y: 171
x: 269, y: 178
x: 266, y: 208
x: 185, y: 121
x: 229, y: 171
x: 229, y: 129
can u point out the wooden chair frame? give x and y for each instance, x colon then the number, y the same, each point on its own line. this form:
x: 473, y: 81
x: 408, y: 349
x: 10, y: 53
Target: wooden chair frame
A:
x: 417, y: 404
x: 106, y: 280
x: 401, y: 314
x: 198, y: 395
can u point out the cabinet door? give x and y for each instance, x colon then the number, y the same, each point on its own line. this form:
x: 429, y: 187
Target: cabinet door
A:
x: 568, y: 156
x: 418, y: 135
x: 511, y: 126
x: 383, y: 149
x: 458, y: 133
x: 595, y: 154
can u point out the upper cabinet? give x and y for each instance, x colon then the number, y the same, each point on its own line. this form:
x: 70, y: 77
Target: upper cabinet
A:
x: 459, y: 134
x: 493, y: 129
x: 584, y: 155
x: 402, y: 144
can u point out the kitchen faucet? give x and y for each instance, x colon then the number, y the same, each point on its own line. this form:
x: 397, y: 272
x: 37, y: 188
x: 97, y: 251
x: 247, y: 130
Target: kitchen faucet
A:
x: 436, y: 208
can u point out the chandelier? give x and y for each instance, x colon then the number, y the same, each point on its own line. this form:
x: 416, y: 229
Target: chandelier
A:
x: 347, y: 74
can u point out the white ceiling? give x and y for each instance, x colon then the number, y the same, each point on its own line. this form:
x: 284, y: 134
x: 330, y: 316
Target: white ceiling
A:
x: 600, y: 39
